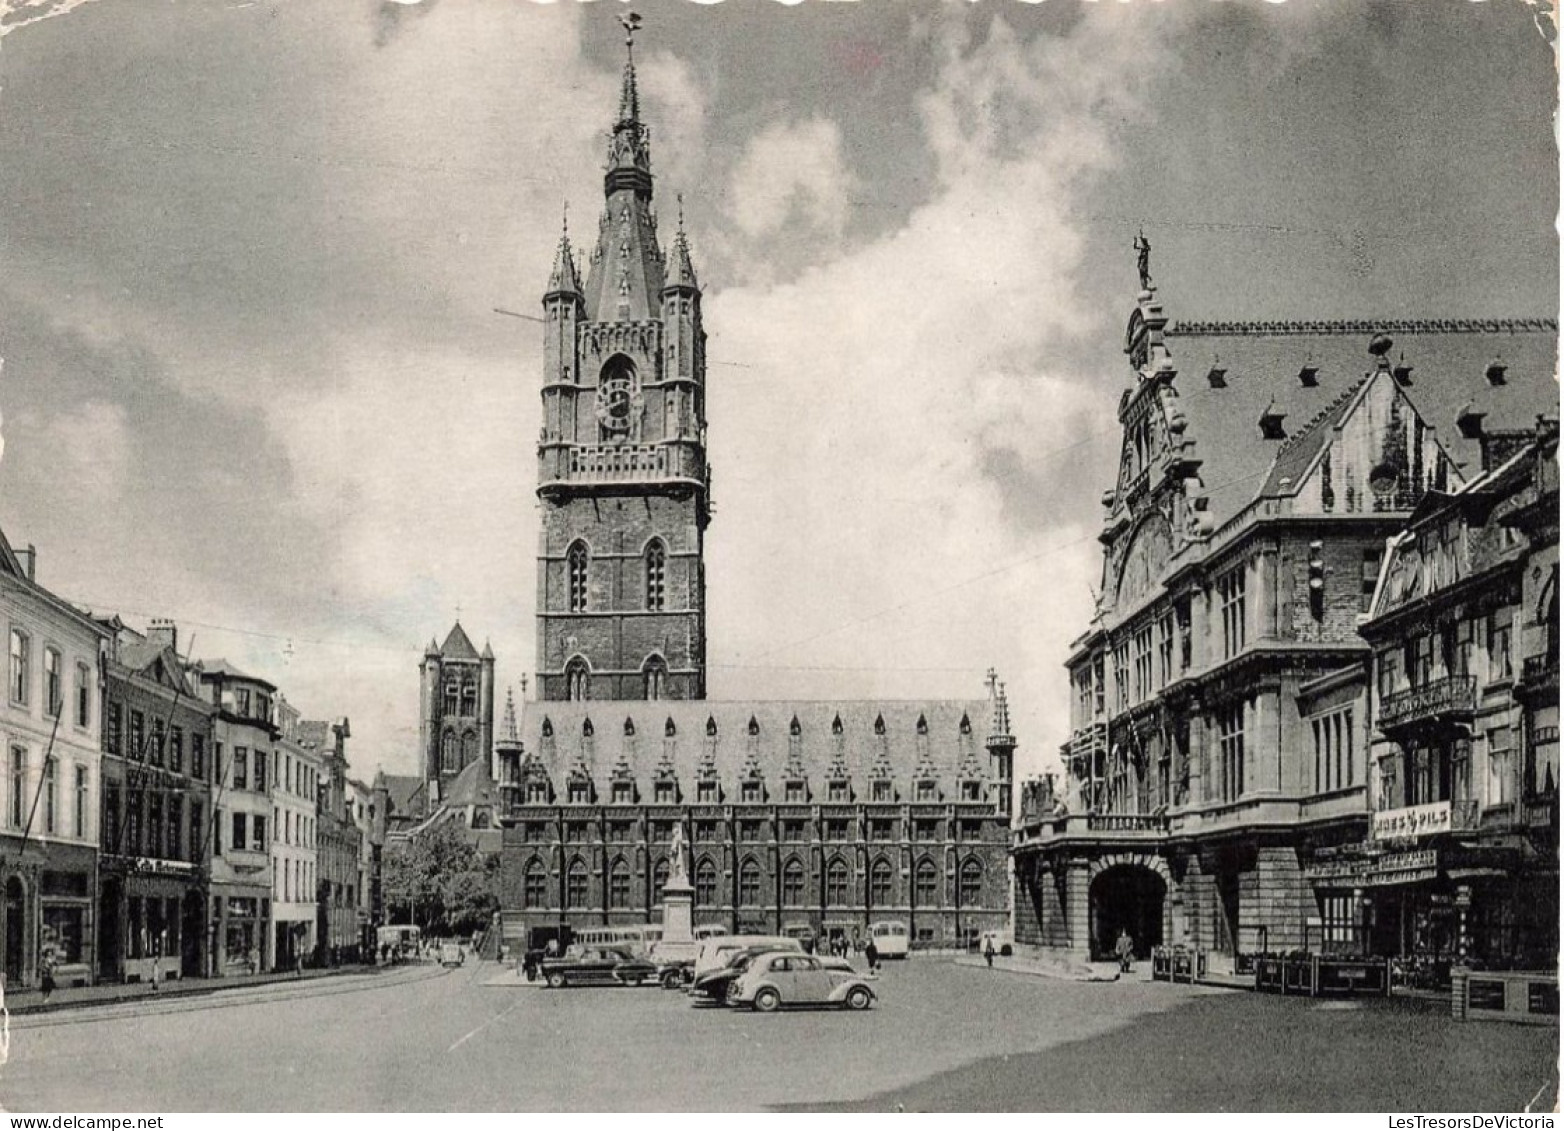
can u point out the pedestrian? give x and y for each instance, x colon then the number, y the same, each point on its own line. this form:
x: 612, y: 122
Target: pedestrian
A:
x: 254, y: 959
x: 157, y: 966
x: 872, y: 953
x: 988, y: 950
x: 1124, y: 948
x: 46, y: 980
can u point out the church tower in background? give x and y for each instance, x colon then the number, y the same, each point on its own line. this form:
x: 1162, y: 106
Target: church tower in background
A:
x: 622, y: 472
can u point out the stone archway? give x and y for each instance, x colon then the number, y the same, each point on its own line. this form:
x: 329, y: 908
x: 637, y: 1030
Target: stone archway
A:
x: 1128, y: 893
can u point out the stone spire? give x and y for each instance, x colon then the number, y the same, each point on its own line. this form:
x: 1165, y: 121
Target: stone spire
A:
x: 625, y: 279
x: 508, y: 729
x: 564, y: 280
x: 681, y: 273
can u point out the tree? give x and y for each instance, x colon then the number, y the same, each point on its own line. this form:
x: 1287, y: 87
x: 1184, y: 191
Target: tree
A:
x: 440, y: 882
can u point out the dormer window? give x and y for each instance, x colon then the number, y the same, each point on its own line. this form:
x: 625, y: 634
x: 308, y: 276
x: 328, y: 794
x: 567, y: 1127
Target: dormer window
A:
x: 794, y: 793
x: 1217, y: 378
x: 665, y: 792
x: 1309, y: 377
x: 750, y: 792
x: 972, y: 791
x: 623, y: 792
x: 1271, y: 423
x: 1495, y: 373
x: 706, y: 792
x: 580, y: 792
x: 927, y: 791
x: 880, y: 791
x: 1403, y: 374
x: 537, y: 793
x: 837, y: 791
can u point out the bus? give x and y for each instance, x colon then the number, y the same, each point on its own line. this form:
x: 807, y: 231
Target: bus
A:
x: 400, y: 941
x: 637, y: 938
x: 890, y: 938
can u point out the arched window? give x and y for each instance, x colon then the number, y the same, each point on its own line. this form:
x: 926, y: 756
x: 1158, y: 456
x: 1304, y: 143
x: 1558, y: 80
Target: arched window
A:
x: 793, y: 884
x: 448, y: 753
x: 534, y: 885
x: 880, y: 883
x: 836, y: 883
x: 576, y: 569
x: 659, y: 879
x: 926, y: 884
x: 749, y: 884
x: 619, y: 884
x: 450, y: 699
x: 576, y: 884
x: 706, y: 884
x: 469, y: 699
x: 578, y: 680
x: 971, y: 886
x: 654, y: 678
x: 656, y: 577
x: 469, y: 749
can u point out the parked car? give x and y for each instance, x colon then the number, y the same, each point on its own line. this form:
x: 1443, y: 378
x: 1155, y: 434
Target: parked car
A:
x: 712, y: 984
x: 451, y: 954
x: 774, y: 980
x: 675, y: 974
x: 599, y: 966
x: 714, y: 953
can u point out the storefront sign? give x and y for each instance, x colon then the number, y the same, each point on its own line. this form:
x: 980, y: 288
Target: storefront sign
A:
x: 162, y: 867
x: 1413, y: 821
x: 1370, y: 871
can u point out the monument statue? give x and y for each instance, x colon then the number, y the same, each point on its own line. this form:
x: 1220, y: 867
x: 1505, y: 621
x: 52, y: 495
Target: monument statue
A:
x: 678, y: 873
x: 1143, y: 260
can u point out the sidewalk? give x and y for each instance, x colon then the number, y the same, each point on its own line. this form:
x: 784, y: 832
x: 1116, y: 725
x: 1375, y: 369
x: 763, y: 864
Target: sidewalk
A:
x: 30, y: 1001
x: 1049, y: 966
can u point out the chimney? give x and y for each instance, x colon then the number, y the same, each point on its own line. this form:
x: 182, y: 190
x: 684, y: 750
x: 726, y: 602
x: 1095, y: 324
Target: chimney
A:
x: 29, y: 558
x: 163, y: 631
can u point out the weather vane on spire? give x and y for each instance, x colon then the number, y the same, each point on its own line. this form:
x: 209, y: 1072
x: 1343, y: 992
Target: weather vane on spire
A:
x: 632, y: 24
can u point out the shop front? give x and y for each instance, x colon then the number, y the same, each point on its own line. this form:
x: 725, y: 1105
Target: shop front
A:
x: 151, y: 919
x: 240, y: 928
x: 65, y: 913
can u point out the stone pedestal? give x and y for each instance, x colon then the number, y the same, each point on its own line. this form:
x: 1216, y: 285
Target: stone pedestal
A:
x: 678, y: 941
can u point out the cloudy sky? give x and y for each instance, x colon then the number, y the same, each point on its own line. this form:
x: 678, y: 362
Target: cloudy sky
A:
x: 250, y: 253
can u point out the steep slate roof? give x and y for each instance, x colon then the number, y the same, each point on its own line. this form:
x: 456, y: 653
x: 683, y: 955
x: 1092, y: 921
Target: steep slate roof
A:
x: 228, y: 671
x: 472, y: 786
x: 457, y: 646
x: 817, y: 748
x: 404, y: 794
x: 1263, y: 360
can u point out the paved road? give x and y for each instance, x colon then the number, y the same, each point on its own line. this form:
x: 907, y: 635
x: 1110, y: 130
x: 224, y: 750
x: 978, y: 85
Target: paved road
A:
x: 943, y: 1037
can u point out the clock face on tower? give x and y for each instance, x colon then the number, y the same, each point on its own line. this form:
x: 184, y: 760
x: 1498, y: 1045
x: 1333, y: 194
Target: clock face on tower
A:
x: 617, y: 405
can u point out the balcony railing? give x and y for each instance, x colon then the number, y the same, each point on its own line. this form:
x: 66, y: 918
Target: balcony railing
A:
x: 621, y: 463
x: 1452, y: 697
x: 1126, y: 822
x: 1540, y: 671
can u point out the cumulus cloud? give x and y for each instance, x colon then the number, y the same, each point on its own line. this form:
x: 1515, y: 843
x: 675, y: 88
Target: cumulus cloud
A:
x: 909, y: 398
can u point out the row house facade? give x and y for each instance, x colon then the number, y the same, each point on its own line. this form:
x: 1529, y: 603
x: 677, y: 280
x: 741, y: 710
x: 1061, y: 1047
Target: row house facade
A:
x: 245, y: 733
x: 807, y: 818
x: 1460, y: 864
x: 157, y: 773
x: 50, y: 724
x: 296, y: 775
x: 1219, y: 756
x: 342, y: 894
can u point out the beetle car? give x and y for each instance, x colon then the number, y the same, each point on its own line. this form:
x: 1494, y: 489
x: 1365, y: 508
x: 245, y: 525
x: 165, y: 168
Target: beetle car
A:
x: 598, y: 966
x: 774, y: 980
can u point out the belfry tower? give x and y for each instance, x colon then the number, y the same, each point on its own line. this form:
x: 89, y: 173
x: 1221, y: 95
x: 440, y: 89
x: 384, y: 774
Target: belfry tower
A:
x: 622, y: 472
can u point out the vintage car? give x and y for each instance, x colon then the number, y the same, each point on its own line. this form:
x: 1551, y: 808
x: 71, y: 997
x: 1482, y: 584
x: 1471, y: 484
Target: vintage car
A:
x: 598, y: 966
x: 675, y: 974
x: 452, y: 954
x: 775, y: 980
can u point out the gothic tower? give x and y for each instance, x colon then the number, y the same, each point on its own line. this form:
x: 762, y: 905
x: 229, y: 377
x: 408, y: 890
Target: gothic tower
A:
x: 456, y: 711
x: 622, y: 472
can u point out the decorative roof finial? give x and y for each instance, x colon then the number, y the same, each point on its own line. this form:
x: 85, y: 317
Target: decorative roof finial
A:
x: 629, y: 97
x: 632, y: 24
x: 1143, y: 259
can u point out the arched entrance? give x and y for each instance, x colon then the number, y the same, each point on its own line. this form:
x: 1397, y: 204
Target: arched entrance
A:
x: 15, y: 916
x: 1127, y: 897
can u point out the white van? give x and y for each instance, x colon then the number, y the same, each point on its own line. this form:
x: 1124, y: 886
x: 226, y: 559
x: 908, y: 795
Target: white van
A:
x: 890, y: 938
x: 714, y: 952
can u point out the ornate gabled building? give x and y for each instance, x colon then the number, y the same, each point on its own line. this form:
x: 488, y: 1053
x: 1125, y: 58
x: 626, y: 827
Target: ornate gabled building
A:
x: 811, y: 818
x: 814, y: 818
x: 1218, y: 755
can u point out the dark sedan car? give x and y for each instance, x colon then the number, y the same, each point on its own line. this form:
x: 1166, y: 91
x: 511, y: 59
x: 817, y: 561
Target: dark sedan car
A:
x: 599, y: 966
x: 713, y: 984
